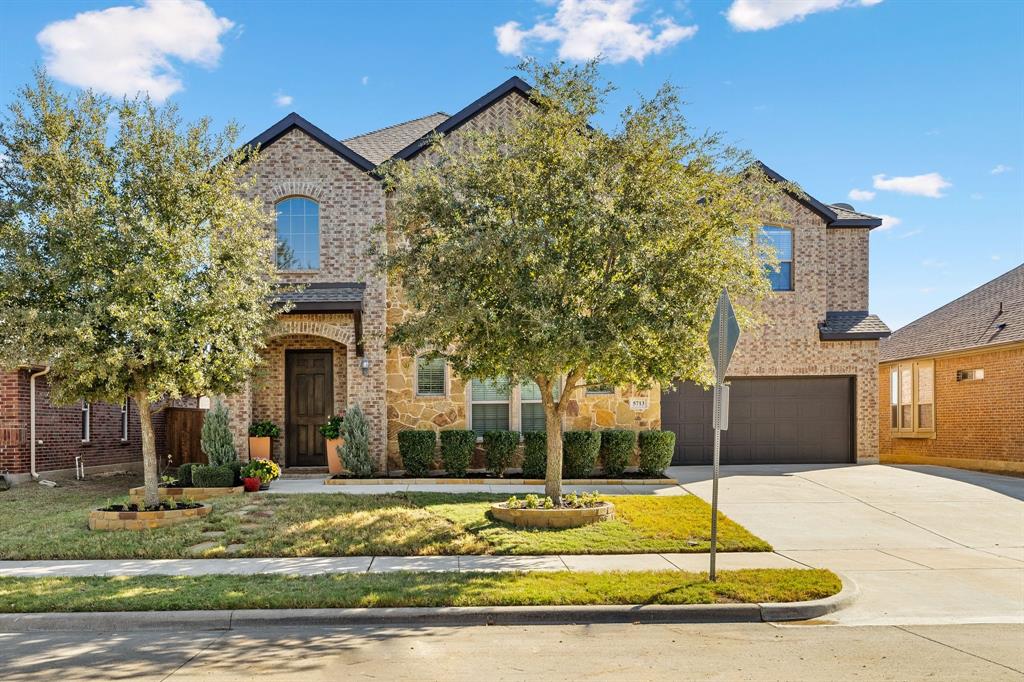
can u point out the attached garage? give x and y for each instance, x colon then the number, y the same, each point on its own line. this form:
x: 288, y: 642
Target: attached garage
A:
x: 772, y: 420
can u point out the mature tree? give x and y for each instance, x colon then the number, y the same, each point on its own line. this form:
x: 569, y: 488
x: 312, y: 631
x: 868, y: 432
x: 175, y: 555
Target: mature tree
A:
x: 131, y: 261
x: 552, y: 250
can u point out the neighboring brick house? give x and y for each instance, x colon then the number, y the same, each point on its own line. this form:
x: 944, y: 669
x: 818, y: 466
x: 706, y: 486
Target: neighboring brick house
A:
x: 104, y: 436
x: 954, y: 382
x: 805, y: 385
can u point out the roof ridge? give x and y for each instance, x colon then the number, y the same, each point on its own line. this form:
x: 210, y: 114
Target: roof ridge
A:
x: 395, y: 125
x: 960, y: 298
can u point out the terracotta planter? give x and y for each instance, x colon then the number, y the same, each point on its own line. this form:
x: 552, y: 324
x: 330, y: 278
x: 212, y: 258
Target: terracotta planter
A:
x: 334, y: 463
x: 259, y: 447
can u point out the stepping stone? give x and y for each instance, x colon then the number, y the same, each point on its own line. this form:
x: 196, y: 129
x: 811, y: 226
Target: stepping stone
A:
x: 235, y: 547
x: 203, y: 546
x: 262, y: 514
x: 213, y: 533
x: 249, y: 526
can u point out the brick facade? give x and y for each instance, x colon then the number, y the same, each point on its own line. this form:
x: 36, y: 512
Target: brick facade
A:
x: 978, y: 424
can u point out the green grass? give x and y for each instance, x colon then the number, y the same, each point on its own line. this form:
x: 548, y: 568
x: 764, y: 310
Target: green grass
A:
x: 160, y: 593
x: 44, y: 523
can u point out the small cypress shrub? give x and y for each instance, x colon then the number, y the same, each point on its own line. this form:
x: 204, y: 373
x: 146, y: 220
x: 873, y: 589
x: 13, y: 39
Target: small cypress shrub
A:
x: 208, y: 476
x: 416, y: 448
x: 457, y: 450
x: 355, y: 452
x: 215, y: 436
x: 580, y: 450
x: 617, y: 447
x: 656, y: 448
x: 500, y: 448
x: 535, y: 454
x: 184, y: 475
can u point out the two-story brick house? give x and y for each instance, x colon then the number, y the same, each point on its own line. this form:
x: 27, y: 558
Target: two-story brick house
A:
x: 805, y: 385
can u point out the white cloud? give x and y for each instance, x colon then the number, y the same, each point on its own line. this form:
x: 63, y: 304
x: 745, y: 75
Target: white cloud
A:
x: 927, y: 185
x: 585, y: 29
x: 365, y: 80
x: 759, y: 15
x: 283, y: 100
x: 1000, y: 169
x: 861, y: 194
x: 127, y: 50
x: 996, y: 257
x: 888, y: 222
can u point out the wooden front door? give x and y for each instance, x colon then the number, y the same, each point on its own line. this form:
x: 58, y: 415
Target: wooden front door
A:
x: 309, y: 401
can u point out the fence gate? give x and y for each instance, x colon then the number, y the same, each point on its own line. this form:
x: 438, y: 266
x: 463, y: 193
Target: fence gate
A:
x: 184, y: 427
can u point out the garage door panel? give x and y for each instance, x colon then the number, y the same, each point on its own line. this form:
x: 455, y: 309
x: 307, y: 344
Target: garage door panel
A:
x: 771, y: 420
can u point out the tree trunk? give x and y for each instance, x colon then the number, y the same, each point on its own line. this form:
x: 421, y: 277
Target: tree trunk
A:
x: 553, y: 473
x: 149, y: 465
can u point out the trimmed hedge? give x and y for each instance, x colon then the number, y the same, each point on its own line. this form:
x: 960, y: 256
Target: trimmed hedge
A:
x: 580, y: 450
x: 617, y: 448
x: 184, y: 475
x: 535, y: 454
x: 656, y: 448
x: 500, y: 448
x: 457, y: 450
x: 416, y: 448
x: 205, y: 476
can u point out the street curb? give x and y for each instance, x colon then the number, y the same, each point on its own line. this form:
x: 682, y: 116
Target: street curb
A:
x: 125, y: 621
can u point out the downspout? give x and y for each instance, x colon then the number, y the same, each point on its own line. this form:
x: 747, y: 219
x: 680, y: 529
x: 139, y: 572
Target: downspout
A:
x: 32, y: 420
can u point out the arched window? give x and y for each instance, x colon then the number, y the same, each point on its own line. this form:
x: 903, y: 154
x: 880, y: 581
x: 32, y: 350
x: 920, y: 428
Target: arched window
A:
x: 298, y: 234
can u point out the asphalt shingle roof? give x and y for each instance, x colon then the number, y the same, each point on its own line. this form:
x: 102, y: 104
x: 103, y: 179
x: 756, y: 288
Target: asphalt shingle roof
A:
x: 323, y: 293
x: 380, y: 145
x: 991, y: 314
x: 847, y: 325
x: 846, y: 214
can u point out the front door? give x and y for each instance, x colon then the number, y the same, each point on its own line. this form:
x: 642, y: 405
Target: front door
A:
x: 309, y: 401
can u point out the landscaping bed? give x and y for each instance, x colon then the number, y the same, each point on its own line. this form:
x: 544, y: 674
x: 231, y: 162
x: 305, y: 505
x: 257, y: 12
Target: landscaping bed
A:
x: 170, y: 492
x: 486, y: 479
x: 404, y: 589
x: 134, y: 516
x: 52, y: 523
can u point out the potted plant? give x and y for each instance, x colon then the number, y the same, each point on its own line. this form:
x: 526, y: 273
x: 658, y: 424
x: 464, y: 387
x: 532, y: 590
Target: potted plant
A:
x: 251, y: 483
x: 266, y: 470
x: 331, y: 432
x: 260, y: 434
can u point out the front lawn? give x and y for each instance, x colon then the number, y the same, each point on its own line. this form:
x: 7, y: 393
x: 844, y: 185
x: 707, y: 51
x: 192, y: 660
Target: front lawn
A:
x: 173, y: 593
x: 45, y: 523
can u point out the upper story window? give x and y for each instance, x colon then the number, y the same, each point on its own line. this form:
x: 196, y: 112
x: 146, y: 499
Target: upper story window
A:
x: 298, y: 234
x: 781, y: 239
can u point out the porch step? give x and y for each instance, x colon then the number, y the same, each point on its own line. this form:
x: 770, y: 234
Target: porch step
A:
x: 304, y: 472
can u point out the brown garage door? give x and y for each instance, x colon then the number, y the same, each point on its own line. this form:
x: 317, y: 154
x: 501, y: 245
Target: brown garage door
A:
x: 771, y: 421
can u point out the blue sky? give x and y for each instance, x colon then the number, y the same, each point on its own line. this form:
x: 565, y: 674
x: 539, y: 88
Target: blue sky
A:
x: 920, y: 106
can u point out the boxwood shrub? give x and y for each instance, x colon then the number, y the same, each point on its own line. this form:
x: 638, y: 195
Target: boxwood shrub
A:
x: 500, y: 449
x: 656, y: 448
x: 617, y: 447
x: 457, y: 450
x: 580, y: 450
x: 416, y: 448
x: 535, y: 454
x: 205, y: 476
x: 184, y: 475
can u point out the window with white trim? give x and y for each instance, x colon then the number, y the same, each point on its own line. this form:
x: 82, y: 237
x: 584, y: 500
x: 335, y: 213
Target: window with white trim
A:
x: 912, y: 398
x: 431, y: 377
x: 124, y: 419
x: 86, y: 420
x: 781, y: 239
x: 490, y: 403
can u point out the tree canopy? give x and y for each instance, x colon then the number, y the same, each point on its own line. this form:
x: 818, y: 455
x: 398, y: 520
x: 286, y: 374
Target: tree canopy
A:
x: 553, y: 250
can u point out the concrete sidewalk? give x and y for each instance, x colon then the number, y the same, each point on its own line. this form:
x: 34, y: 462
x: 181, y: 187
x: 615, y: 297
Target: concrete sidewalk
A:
x: 384, y: 564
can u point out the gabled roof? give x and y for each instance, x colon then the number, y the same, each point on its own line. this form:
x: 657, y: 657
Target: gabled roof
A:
x: 852, y: 325
x: 292, y: 121
x: 380, y: 145
x: 992, y: 314
x: 835, y: 216
x: 513, y: 84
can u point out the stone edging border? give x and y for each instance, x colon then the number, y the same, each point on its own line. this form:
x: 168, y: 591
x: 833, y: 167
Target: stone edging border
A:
x: 195, y: 494
x: 126, y: 621
x: 498, y: 481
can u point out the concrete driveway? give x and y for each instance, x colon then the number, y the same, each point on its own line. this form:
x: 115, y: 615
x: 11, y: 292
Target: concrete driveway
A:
x: 926, y: 545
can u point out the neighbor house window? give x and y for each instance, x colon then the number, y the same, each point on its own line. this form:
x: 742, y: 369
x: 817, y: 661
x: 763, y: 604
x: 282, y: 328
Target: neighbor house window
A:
x: 86, y: 420
x: 298, y: 234
x: 912, y: 398
x: 124, y: 420
x: 781, y: 239
x: 490, y: 401
x: 430, y: 376
x: 970, y: 374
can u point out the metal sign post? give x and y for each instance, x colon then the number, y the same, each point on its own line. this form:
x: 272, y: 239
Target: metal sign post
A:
x: 722, y: 338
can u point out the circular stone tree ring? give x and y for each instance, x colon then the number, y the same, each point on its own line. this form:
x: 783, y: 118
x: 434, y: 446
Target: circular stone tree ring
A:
x: 559, y: 517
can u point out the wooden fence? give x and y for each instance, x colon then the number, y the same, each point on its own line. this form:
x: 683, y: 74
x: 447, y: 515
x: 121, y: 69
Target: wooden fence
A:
x: 184, y: 427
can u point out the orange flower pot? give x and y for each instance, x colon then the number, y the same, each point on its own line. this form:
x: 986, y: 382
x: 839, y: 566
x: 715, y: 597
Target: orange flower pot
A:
x: 334, y: 463
x: 259, y: 447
